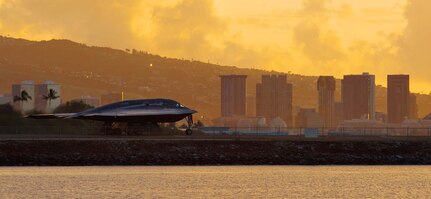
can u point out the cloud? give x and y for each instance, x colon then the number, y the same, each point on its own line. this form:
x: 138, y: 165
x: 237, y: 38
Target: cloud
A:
x: 96, y: 22
x: 307, y: 38
x: 187, y: 29
x: 415, y: 42
x: 345, y: 11
x: 319, y: 43
x: 322, y: 50
x: 315, y: 8
x: 192, y: 29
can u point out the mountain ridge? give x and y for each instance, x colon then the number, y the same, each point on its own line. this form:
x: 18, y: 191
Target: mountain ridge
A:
x: 92, y: 70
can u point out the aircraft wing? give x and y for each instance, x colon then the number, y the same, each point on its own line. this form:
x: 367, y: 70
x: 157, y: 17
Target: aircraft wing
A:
x: 50, y: 116
x: 131, y: 113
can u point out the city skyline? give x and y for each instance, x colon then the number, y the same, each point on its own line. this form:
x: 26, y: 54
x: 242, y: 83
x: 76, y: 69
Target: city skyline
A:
x: 274, y: 102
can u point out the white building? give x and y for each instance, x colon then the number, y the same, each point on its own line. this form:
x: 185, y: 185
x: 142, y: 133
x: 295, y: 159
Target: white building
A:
x: 48, y: 96
x: 277, y: 124
x: 251, y: 122
x: 6, y: 99
x: 362, y: 123
x: 23, y: 96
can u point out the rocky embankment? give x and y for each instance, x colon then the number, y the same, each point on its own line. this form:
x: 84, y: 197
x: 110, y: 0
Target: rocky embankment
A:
x: 140, y: 152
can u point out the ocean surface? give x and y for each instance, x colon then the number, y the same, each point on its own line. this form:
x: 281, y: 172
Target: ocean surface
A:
x: 217, y: 182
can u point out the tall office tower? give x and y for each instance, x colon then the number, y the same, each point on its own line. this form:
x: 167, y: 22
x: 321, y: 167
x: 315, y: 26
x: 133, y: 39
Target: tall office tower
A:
x: 23, y: 96
x: 358, y: 96
x: 413, y: 107
x: 339, y: 113
x: 398, y: 98
x: 233, y: 95
x: 274, y: 99
x: 47, y: 96
x: 111, y: 98
x: 326, y: 89
x: 372, y: 94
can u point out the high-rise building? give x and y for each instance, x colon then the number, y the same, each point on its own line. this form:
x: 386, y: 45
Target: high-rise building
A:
x: 233, y: 95
x: 339, y: 113
x: 413, y: 107
x: 274, y: 98
x: 47, y: 96
x: 358, y: 96
x: 111, y: 98
x: 326, y: 89
x: 398, y: 98
x: 23, y: 96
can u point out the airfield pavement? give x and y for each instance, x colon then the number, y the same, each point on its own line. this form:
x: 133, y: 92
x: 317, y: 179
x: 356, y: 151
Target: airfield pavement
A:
x: 210, y: 137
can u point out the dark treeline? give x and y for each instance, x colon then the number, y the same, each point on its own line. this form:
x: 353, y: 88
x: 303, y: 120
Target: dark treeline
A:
x: 14, y: 122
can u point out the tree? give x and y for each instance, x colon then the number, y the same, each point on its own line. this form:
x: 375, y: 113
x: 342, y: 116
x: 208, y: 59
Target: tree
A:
x: 52, y: 95
x: 8, y: 116
x: 23, y: 97
x: 199, y: 124
x: 73, y: 107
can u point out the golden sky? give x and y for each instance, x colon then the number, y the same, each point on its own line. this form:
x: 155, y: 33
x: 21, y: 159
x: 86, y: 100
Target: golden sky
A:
x: 311, y: 37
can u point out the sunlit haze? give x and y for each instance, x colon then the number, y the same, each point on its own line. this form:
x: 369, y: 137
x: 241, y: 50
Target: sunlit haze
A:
x: 215, y: 98
x: 310, y: 37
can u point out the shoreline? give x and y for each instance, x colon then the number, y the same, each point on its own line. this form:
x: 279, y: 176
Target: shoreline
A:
x: 212, y: 153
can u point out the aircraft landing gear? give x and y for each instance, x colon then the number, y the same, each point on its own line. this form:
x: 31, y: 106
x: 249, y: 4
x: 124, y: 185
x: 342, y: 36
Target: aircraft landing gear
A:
x: 189, y: 130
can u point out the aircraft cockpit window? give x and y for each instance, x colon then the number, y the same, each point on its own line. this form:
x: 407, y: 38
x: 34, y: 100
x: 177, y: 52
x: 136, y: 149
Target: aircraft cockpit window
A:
x: 128, y: 103
x: 153, y: 103
x: 179, y: 105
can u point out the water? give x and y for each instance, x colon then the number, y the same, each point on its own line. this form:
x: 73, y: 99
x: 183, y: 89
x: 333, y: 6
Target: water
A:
x: 217, y: 182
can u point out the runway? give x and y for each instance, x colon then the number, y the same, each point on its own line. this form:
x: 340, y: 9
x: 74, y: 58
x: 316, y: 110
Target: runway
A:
x: 42, y: 137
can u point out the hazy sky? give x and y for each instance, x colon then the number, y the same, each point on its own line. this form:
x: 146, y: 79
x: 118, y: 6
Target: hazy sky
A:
x: 312, y: 37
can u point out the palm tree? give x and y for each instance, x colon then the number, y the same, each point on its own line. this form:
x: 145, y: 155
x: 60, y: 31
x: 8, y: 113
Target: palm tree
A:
x: 23, y: 97
x: 52, y: 95
x: 16, y: 98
